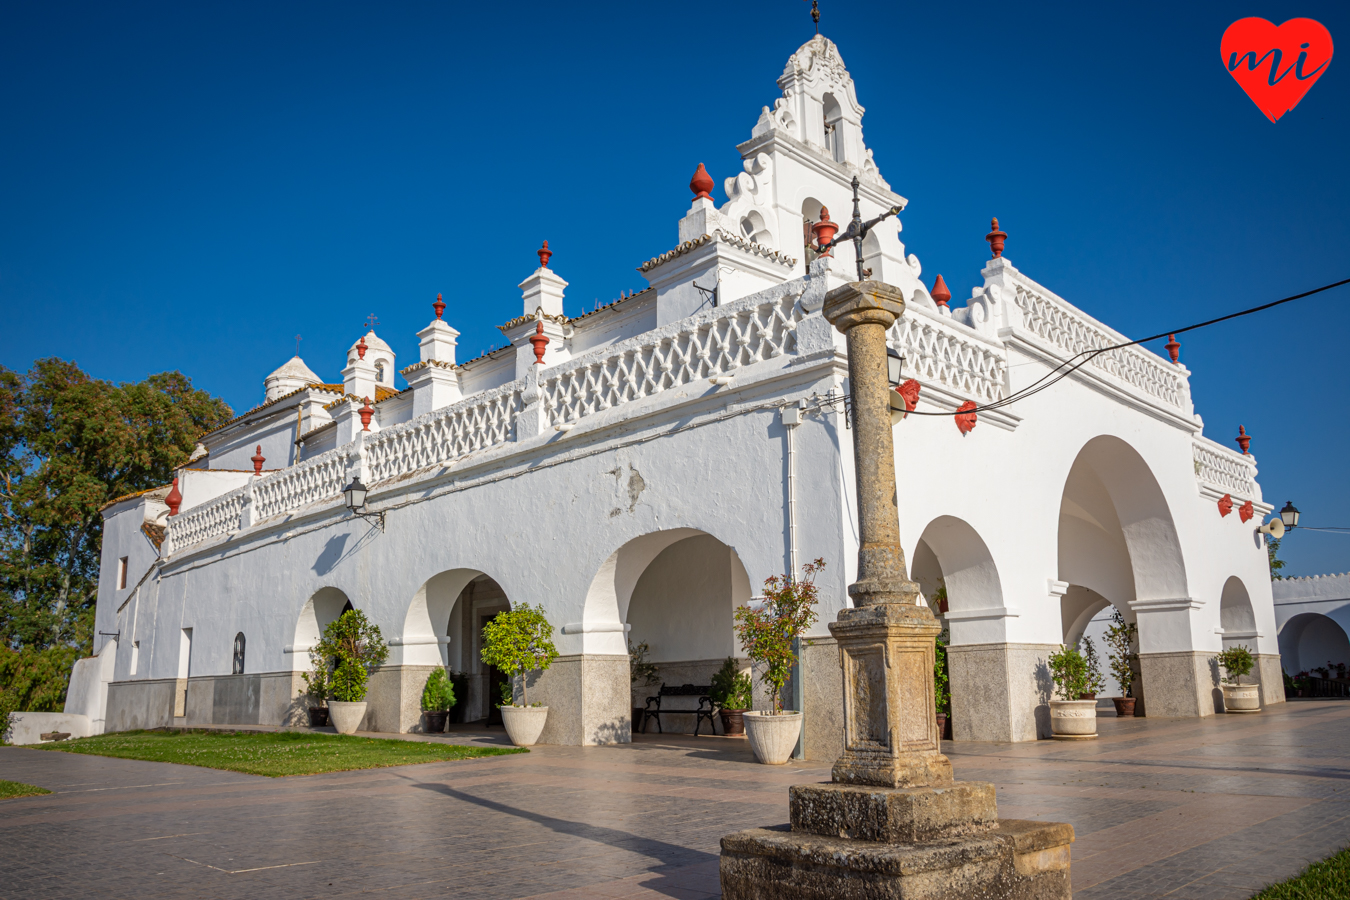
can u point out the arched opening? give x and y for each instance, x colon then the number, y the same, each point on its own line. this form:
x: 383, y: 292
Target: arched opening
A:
x: 811, y: 208
x: 1309, y: 640
x: 1236, y: 617
x: 872, y: 261
x: 754, y: 229
x: 676, y: 591
x: 379, y: 371
x: 324, y: 607
x: 1118, y: 550
x: 834, y: 134
x: 238, y: 660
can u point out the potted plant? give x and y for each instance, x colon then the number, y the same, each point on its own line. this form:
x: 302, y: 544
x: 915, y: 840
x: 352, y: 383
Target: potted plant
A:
x: 731, y: 693
x: 1121, y: 659
x: 316, y: 691
x: 437, y: 698
x: 1096, y: 682
x: 518, y: 642
x: 1237, y: 697
x: 1071, y: 719
x: 354, y: 646
x: 640, y: 671
x: 767, y: 632
x: 942, y: 693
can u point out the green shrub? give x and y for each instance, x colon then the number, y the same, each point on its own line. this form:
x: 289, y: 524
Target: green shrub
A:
x: 942, y: 693
x: 1069, y: 671
x: 439, y: 694
x: 1236, y: 662
x: 316, y: 679
x: 1121, y: 657
x: 34, y: 680
x: 731, y: 688
x: 1096, y: 681
x: 519, y: 641
x: 352, y: 645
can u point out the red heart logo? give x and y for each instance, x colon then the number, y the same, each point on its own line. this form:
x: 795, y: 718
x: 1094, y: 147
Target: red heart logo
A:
x: 1276, y: 65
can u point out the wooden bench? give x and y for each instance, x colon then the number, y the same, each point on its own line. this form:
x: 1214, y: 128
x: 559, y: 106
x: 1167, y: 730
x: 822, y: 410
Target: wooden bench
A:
x: 704, y: 710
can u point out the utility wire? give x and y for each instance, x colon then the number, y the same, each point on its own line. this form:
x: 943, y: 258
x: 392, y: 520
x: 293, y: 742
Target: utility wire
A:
x: 1073, y: 363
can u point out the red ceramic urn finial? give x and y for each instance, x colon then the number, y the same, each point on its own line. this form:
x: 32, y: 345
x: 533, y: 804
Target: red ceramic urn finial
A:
x: 258, y: 460
x: 996, y: 239
x: 1173, y: 348
x: 366, y: 412
x: 825, y: 230
x: 361, y: 348
x: 439, y: 306
x: 701, y: 184
x: 1244, y: 440
x: 966, y: 417
x: 175, y: 498
x: 941, y: 296
x: 540, y: 341
x: 544, y: 254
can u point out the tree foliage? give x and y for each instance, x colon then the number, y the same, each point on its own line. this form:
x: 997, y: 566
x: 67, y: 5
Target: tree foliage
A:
x: 352, y: 645
x: 69, y: 444
x: 1121, y: 658
x: 1069, y: 671
x: 1273, y: 557
x: 519, y: 641
x: 767, y: 632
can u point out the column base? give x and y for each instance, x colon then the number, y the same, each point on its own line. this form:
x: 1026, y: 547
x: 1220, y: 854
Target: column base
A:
x: 1000, y: 692
x: 1270, y: 673
x: 1016, y: 860
x: 1183, y: 684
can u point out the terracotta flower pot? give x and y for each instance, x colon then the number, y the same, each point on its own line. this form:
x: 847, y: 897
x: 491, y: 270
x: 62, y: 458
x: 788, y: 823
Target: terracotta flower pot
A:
x: 1124, y: 706
x: 1241, y: 698
x: 733, y: 722
x: 1073, y: 720
x: 773, y: 738
x: 318, y: 716
x: 942, y: 725
x: 346, y: 716
x: 433, y: 722
x: 524, y: 724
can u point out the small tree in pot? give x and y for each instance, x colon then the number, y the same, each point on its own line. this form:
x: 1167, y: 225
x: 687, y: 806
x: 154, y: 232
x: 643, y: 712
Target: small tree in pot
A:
x: 355, y: 646
x: 1237, y: 662
x: 437, y: 698
x: 1121, y: 660
x: 731, y: 694
x: 1070, y: 717
x: 642, y: 672
x: 768, y: 633
x: 518, y: 642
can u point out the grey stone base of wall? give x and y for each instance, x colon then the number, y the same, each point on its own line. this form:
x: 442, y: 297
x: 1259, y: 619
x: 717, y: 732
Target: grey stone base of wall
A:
x: 823, y: 699
x: 589, y: 700
x: 140, y: 704
x: 1000, y: 692
x: 1271, y: 675
x: 1184, y: 684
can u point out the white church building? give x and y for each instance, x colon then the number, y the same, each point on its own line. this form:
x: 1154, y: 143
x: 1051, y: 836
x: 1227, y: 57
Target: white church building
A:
x: 643, y: 470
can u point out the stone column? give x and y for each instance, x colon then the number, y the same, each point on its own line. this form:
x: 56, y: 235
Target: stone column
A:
x: 893, y: 822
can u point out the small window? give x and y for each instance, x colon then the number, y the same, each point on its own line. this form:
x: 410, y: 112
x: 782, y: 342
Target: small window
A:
x: 122, y: 574
x: 379, y: 372
x: 239, y: 653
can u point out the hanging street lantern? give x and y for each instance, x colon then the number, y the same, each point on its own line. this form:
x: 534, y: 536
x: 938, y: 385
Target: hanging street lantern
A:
x: 354, y: 496
x: 1289, y: 515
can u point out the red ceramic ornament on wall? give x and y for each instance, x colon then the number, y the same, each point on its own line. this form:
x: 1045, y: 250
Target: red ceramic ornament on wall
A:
x: 540, y: 341
x: 175, y: 498
x: 910, y: 391
x: 365, y: 412
x: 258, y: 460
x: 824, y: 230
x: 1225, y: 504
x: 966, y: 417
x: 1246, y: 511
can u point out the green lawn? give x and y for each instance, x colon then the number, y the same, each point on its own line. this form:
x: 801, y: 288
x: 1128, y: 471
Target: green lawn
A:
x: 12, y: 789
x: 1325, y: 880
x: 272, y: 753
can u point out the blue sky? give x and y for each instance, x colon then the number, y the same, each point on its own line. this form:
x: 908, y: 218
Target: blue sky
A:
x: 188, y: 186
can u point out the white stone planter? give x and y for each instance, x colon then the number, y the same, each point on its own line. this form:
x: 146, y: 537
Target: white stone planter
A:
x: 1241, y: 698
x: 524, y: 724
x: 773, y: 738
x: 1073, y: 720
x: 346, y: 717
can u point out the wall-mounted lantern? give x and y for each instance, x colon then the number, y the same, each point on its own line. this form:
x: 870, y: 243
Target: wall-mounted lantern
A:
x: 354, y: 495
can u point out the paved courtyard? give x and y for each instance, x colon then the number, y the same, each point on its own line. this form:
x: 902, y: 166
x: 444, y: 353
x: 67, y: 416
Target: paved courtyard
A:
x: 1214, y: 808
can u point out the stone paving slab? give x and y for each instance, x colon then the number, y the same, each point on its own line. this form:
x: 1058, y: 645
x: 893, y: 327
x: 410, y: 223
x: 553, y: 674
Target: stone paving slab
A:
x: 1211, y: 809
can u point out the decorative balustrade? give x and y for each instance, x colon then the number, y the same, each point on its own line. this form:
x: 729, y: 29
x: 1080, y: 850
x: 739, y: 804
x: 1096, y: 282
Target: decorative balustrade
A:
x: 938, y: 352
x: 1072, y: 332
x: 480, y: 421
x: 212, y: 519
x: 313, y: 480
x: 1225, y: 471
x: 706, y: 347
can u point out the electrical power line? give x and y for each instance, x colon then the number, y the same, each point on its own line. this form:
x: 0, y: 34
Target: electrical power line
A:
x: 1073, y: 363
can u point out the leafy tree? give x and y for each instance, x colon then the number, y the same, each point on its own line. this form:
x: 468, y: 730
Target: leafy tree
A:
x: 1096, y: 681
x: 730, y: 687
x: 34, y: 680
x: 1121, y: 657
x: 353, y: 645
x: 69, y: 444
x: 1069, y: 671
x: 1272, y: 554
x: 768, y: 631
x: 1236, y: 662
x: 519, y: 641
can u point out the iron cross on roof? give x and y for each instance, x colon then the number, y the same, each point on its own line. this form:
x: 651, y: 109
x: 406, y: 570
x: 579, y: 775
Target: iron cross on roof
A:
x: 371, y: 322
